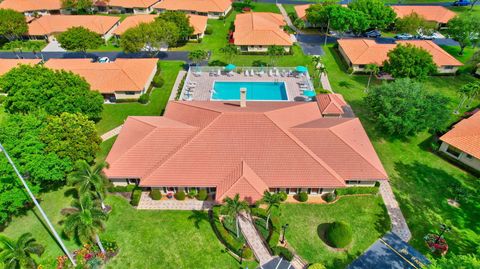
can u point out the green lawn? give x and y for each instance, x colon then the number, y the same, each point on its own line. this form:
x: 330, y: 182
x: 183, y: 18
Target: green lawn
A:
x: 366, y: 215
x: 105, y: 147
x: 146, y: 238
x: 112, y: 45
x: 25, y: 46
x: 115, y: 114
x: 421, y: 180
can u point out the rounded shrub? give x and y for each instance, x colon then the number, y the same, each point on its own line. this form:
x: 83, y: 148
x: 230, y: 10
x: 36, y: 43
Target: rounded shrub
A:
x: 302, y: 197
x: 283, y: 196
x: 202, y: 195
x: 155, y: 194
x: 209, y: 30
x: 247, y: 253
x: 158, y: 81
x: 316, y: 266
x: 339, y: 234
x: 329, y: 197
x: 144, y: 98
x: 180, y: 195
x: 283, y: 252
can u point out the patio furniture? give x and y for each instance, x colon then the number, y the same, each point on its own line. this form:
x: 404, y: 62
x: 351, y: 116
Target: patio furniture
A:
x: 301, y: 69
x: 230, y: 74
x: 219, y: 72
x: 246, y: 73
x: 309, y: 94
x: 270, y: 73
x: 277, y: 73
x: 252, y: 73
x: 230, y: 67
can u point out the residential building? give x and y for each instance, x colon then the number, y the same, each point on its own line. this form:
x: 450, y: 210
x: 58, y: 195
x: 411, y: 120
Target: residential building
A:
x: 462, y: 142
x: 199, y: 24
x: 8, y: 64
x: 360, y: 52
x: 33, y: 7
x: 256, y: 31
x: 45, y: 27
x: 125, y: 6
x: 440, y: 15
x: 245, y: 148
x: 301, y: 11
x: 214, y: 9
x: 120, y: 79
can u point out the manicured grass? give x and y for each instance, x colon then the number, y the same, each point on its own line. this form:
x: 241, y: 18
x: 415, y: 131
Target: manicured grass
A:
x: 115, y: 114
x: 366, y: 215
x: 146, y: 238
x: 421, y: 180
x: 112, y: 45
x: 105, y: 149
x: 289, y: 8
x: 25, y: 46
x: 455, y: 50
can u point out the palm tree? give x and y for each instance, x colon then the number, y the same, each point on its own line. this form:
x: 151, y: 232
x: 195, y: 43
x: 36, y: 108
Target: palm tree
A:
x: 233, y: 208
x: 275, y: 52
x: 84, y: 220
x: 272, y: 201
x: 18, y: 254
x: 373, y: 69
x: 469, y: 92
x: 90, y: 179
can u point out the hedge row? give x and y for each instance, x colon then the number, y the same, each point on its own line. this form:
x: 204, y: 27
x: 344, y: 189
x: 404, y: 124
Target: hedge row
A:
x: 357, y: 190
x: 283, y: 252
x: 136, y: 195
x: 126, y: 188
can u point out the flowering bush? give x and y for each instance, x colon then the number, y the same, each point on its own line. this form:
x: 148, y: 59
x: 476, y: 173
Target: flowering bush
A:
x: 89, y: 257
x: 436, y: 244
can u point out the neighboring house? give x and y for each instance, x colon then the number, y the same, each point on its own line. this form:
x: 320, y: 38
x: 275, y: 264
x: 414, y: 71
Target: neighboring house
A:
x: 8, y: 64
x: 440, y: 15
x: 45, y: 27
x: 301, y: 11
x: 256, y: 31
x: 228, y: 148
x: 199, y: 24
x: 125, y: 6
x: 214, y: 9
x: 121, y: 79
x: 33, y: 7
x: 360, y: 52
x: 333, y: 106
x: 462, y: 142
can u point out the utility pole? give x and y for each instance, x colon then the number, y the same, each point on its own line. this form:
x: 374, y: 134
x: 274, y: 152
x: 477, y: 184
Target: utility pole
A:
x: 50, y: 226
x: 326, y: 33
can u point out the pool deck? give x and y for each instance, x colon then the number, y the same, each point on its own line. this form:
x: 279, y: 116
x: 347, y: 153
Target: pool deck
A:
x: 204, y: 82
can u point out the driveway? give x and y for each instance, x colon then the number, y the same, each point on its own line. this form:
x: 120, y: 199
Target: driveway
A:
x: 53, y: 46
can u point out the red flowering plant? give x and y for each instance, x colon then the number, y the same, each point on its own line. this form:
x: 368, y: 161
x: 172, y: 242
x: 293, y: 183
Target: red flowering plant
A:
x: 89, y: 256
x: 436, y: 243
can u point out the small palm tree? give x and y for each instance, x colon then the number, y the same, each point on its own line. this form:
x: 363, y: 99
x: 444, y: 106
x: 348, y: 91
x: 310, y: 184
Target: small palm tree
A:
x: 233, y: 208
x: 84, y: 220
x: 272, y: 201
x: 373, y: 69
x: 90, y: 179
x: 18, y: 254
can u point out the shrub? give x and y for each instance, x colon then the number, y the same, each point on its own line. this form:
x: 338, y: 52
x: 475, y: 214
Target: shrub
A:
x: 339, y: 234
x: 329, y: 197
x: 302, y: 196
x: 202, y: 195
x: 159, y: 67
x: 316, y: 266
x: 283, y: 196
x: 247, y: 253
x: 144, y: 98
x: 136, y: 195
x: 209, y: 30
x: 259, y: 212
x: 283, y: 252
x: 192, y: 193
x: 377, y: 184
x: 2, y: 98
x: 180, y: 195
x: 127, y: 188
x: 155, y: 194
x: 158, y: 81
x: 357, y: 190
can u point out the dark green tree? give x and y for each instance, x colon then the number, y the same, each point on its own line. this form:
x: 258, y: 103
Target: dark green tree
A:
x: 403, y: 108
x: 18, y: 253
x: 409, y: 61
x: 33, y: 88
x: 88, y: 180
x: 412, y: 24
x: 12, y: 24
x: 343, y: 19
x: 181, y: 20
x: 272, y: 200
x: 196, y: 56
x: 150, y: 37
x: 465, y: 29
x: 82, y: 6
x: 378, y: 15
x: 233, y: 207
x: 454, y: 261
x: 79, y: 39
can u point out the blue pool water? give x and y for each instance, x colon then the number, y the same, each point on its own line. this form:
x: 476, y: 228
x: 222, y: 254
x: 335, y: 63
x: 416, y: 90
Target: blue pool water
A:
x: 271, y: 91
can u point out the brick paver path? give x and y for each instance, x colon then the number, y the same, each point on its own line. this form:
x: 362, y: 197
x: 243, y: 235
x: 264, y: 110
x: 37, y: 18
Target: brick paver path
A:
x: 111, y: 133
x: 175, y: 88
x: 190, y: 204
x: 253, y: 239
x: 325, y: 82
x: 399, y: 225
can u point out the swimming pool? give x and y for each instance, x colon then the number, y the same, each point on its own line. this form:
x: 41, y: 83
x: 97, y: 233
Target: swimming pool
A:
x: 259, y: 91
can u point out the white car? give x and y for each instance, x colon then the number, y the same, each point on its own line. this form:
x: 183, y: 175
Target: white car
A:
x: 103, y: 60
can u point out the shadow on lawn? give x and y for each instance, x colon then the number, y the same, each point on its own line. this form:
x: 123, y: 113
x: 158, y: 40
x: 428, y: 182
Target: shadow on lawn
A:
x: 199, y: 216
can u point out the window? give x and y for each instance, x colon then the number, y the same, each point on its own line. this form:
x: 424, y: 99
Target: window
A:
x: 130, y: 93
x: 468, y: 156
x: 448, y: 67
x: 453, y: 151
x: 361, y: 66
x: 353, y: 182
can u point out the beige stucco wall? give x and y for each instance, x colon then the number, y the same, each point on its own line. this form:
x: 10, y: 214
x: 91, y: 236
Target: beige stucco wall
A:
x: 443, y: 70
x: 262, y: 49
x: 472, y: 162
x: 119, y: 182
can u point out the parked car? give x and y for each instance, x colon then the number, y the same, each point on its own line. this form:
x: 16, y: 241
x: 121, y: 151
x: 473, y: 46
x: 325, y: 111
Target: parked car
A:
x: 461, y: 3
x: 103, y: 60
x: 404, y: 36
x: 373, y: 34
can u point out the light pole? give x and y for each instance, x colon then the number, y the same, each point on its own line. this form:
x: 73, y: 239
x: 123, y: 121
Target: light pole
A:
x: 444, y: 229
x: 284, y: 227
x: 50, y: 226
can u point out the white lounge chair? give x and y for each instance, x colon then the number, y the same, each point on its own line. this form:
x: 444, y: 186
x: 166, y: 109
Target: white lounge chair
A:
x: 277, y: 73
x: 270, y: 73
x: 246, y: 73
x: 219, y: 72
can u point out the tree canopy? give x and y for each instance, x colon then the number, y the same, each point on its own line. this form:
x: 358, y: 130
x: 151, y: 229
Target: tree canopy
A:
x: 33, y: 88
x: 409, y: 61
x: 378, y: 15
x: 150, y: 36
x: 465, y: 29
x: 18, y: 253
x: 403, y: 108
x: 79, y: 39
x: 413, y: 23
x: 337, y: 18
x: 196, y: 56
x: 12, y: 24
x: 181, y: 20
x: 79, y: 5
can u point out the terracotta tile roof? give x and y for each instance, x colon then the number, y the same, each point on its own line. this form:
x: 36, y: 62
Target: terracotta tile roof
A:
x: 199, y: 23
x: 8, y: 64
x: 133, y: 21
x: 51, y: 24
x: 331, y: 103
x: 120, y: 75
x: 131, y: 3
x: 368, y: 51
x: 266, y: 144
x: 260, y: 28
x: 430, y: 13
x: 195, y: 5
x: 301, y: 10
x: 465, y: 135
x: 31, y: 5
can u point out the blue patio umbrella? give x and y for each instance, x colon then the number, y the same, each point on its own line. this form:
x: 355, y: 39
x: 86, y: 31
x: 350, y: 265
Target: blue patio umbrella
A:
x: 301, y: 69
x: 309, y: 93
x: 230, y: 67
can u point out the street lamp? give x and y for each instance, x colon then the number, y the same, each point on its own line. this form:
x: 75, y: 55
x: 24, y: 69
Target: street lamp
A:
x: 284, y: 227
x: 444, y: 229
x: 49, y: 224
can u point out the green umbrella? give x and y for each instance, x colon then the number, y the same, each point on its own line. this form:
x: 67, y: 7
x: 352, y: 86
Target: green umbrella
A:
x: 309, y: 93
x: 301, y: 69
x: 230, y: 67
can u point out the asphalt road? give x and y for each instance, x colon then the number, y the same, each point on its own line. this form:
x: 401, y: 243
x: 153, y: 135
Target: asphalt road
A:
x: 169, y: 55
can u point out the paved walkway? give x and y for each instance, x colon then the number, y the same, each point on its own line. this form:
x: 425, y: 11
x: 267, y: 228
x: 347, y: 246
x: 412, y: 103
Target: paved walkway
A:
x: 53, y: 46
x: 176, y: 85
x: 254, y: 239
x: 167, y: 55
x: 325, y: 82
x: 399, y: 225
x: 189, y: 204
x: 111, y: 133
x: 287, y: 19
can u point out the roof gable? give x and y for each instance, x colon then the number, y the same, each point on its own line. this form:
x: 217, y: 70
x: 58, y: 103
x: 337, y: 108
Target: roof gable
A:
x: 465, y: 135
